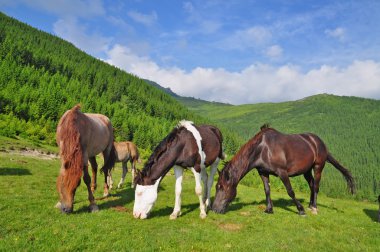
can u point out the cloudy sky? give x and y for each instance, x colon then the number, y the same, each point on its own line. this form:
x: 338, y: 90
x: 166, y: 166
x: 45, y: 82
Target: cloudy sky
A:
x: 229, y: 51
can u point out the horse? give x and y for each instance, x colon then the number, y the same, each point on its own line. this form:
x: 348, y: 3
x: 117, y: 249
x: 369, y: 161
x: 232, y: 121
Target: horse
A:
x: 274, y: 153
x: 186, y: 146
x: 124, y: 152
x: 80, y: 137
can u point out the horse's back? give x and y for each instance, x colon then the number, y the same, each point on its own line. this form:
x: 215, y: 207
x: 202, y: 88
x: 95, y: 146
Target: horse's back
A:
x: 295, y: 152
x: 211, y: 142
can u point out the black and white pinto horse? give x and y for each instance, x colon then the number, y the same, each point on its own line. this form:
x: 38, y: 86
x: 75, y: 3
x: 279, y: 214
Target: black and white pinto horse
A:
x: 187, y: 146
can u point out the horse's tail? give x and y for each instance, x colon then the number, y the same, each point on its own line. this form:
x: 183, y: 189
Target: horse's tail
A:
x: 70, y: 147
x: 110, y: 162
x: 346, y: 173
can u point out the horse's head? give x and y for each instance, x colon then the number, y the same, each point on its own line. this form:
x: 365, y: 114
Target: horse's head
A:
x: 225, y: 190
x: 145, y: 197
x: 67, y: 184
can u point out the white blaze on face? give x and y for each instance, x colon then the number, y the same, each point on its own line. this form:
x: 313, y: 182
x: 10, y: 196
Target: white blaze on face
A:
x: 145, y: 197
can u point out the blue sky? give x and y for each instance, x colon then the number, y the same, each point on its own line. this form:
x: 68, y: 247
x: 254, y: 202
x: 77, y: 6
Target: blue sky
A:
x: 229, y: 51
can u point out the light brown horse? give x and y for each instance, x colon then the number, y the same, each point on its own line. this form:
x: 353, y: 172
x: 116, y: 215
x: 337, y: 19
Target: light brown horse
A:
x: 80, y: 137
x: 125, y: 151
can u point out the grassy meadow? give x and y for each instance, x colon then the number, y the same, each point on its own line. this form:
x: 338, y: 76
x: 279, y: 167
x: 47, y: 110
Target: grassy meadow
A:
x: 29, y: 221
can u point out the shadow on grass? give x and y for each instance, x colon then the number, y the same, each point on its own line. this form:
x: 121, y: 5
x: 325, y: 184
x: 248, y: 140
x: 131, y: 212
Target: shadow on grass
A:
x: 374, y: 215
x: 118, y: 198
x: 286, y: 204
x: 5, y: 171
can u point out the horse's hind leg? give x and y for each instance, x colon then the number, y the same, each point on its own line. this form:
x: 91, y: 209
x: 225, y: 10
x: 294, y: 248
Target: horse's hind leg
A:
x: 125, y: 170
x: 178, y: 171
x: 198, y: 192
x: 94, y: 167
x: 317, y: 178
x: 285, y: 179
x: 310, y: 180
x: 87, y: 181
x: 210, y: 181
x: 265, y: 179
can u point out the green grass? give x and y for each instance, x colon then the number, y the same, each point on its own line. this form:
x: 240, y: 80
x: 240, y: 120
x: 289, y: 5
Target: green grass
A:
x: 29, y: 221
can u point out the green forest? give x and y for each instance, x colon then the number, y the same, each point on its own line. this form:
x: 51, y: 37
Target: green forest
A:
x: 41, y: 76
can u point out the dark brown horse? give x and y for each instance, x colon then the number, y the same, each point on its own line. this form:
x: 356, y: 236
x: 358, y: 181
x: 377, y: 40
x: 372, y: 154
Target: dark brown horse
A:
x: 80, y: 137
x: 125, y: 151
x: 187, y: 146
x: 274, y: 153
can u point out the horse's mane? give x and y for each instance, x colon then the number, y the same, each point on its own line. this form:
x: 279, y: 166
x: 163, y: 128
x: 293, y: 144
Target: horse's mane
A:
x: 71, y: 149
x: 247, y: 148
x: 159, y: 150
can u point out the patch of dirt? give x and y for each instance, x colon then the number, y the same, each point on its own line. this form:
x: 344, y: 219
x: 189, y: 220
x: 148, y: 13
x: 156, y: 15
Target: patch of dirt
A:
x: 232, y: 227
x: 246, y: 213
x: 261, y: 207
x: 121, y: 209
x: 32, y: 153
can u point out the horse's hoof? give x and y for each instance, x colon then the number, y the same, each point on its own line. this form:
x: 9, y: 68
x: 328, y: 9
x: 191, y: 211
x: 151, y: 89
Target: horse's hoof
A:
x: 203, y: 216
x: 105, y: 195
x: 58, y: 205
x: 314, y: 210
x: 302, y: 213
x: 94, y: 208
x: 268, y: 211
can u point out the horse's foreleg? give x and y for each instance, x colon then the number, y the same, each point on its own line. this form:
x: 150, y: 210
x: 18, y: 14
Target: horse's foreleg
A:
x: 94, y: 167
x: 109, y: 179
x: 310, y: 180
x: 285, y: 180
x: 265, y: 179
x: 87, y: 181
x: 210, y: 181
x: 198, y: 192
x: 133, y: 172
x: 178, y: 171
x: 125, y: 170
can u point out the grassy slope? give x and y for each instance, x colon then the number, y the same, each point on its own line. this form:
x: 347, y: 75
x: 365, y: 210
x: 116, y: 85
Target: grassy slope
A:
x: 348, y: 125
x: 29, y: 220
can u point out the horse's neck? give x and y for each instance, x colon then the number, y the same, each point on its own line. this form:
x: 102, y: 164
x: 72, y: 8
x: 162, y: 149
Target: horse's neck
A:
x: 161, y: 167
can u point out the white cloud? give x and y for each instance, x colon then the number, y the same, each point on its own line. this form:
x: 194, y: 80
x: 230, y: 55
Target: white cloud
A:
x: 256, y: 83
x: 70, y: 30
x: 145, y: 19
x: 274, y: 51
x: 338, y: 33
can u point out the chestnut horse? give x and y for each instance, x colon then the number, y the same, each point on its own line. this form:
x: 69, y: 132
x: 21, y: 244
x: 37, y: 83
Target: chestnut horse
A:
x: 274, y: 153
x: 80, y: 137
x: 187, y: 146
x: 125, y: 151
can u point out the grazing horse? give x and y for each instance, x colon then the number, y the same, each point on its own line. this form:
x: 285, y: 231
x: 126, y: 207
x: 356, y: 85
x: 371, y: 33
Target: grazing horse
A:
x: 187, y: 146
x: 125, y: 151
x: 274, y: 153
x: 80, y: 137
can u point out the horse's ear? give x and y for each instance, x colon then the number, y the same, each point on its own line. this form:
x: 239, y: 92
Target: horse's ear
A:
x: 138, y: 177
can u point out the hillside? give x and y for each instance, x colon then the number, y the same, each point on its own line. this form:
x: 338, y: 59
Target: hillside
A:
x: 350, y: 127
x: 42, y: 76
